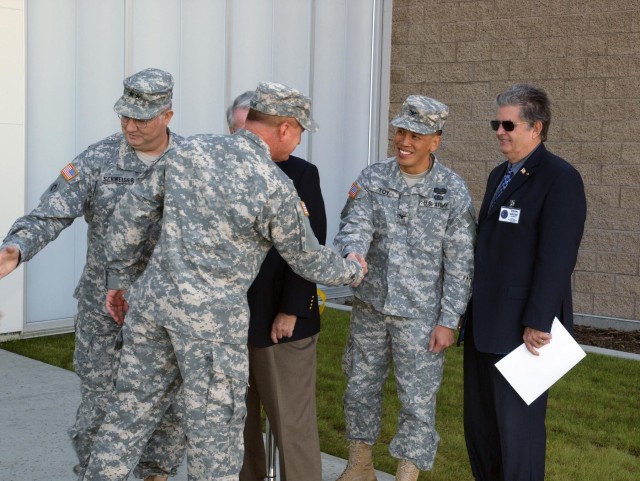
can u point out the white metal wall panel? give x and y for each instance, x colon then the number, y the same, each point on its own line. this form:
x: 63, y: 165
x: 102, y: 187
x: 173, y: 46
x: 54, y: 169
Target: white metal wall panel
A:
x: 12, y: 201
x: 202, y: 82
x: 155, y: 40
x: 51, y: 142
x: 250, y: 44
x: 99, y: 69
x: 12, y: 135
x: 292, y: 55
x: 332, y: 97
x: 342, y: 91
x: 12, y: 61
x: 78, y: 52
x: 17, y: 5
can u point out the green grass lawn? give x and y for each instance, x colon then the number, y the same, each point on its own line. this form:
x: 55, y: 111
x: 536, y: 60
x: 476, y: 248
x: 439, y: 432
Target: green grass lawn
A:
x: 54, y: 350
x: 593, y: 420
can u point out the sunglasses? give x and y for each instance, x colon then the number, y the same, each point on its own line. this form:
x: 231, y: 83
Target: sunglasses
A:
x: 507, y: 125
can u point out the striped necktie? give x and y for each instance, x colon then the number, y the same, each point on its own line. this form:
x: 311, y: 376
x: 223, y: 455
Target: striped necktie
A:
x: 503, y: 185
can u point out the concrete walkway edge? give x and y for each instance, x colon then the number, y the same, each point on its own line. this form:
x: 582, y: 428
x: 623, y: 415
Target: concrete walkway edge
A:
x: 37, y: 405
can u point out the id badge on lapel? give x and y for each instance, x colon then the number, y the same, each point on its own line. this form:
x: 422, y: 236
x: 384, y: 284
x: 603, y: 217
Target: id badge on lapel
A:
x: 509, y: 214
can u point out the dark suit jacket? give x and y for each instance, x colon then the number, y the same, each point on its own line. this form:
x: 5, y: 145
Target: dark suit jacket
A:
x: 277, y: 288
x: 523, y: 270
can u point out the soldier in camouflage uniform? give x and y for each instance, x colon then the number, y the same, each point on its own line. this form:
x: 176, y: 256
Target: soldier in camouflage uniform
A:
x: 91, y: 186
x: 413, y: 219
x: 223, y: 203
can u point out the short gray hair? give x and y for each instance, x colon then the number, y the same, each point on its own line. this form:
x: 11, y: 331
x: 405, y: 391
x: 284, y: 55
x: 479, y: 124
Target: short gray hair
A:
x: 242, y: 101
x: 533, y: 101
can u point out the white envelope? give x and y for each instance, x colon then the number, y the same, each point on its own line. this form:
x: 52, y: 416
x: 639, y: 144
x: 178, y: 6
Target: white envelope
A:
x: 532, y: 375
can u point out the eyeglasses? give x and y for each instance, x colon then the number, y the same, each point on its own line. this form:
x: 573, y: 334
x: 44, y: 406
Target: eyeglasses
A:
x: 140, y: 123
x: 507, y: 125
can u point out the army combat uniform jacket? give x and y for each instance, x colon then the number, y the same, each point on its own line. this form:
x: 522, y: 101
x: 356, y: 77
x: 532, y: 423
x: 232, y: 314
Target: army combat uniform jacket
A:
x: 90, y: 186
x: 223, y: 204
x: 418, y: 241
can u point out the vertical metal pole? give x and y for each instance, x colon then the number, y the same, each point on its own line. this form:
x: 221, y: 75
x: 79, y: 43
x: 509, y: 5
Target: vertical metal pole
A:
x: 271, y: 453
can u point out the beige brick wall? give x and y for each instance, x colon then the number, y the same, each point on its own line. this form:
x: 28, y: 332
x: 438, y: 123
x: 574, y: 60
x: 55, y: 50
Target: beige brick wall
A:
x: 586, y: 54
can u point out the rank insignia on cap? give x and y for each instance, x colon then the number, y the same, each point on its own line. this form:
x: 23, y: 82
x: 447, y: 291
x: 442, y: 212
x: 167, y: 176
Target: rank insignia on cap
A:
x: 69, y: 171
x: 304, y: 208
x: 353, y: 191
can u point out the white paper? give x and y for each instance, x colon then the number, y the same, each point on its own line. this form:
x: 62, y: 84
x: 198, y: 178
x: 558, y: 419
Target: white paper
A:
x: 532, y: 375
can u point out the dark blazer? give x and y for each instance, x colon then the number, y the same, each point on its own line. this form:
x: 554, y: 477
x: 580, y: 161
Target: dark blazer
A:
x: 523, y: 270
x: 277, y: 288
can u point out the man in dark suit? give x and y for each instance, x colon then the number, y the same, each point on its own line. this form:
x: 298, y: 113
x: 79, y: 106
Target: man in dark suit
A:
x: 283, y: 333
x: 529, y: 229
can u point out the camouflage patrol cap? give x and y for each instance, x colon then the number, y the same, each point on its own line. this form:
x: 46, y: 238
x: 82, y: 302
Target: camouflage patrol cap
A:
x: 146, y: 94
x: 421, y: 115
x: 277, y: 99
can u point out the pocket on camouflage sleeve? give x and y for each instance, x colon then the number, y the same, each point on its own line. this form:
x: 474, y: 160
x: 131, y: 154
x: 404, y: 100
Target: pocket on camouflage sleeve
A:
x: 309, y: 241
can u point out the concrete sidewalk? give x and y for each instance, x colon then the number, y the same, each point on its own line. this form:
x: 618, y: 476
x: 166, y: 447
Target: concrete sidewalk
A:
x: 38, y: 404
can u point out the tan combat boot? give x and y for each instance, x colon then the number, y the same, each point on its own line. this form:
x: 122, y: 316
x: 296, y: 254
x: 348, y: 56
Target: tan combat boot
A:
x: 360, y: 465
x: 156, y: 477
x: 407, y: 471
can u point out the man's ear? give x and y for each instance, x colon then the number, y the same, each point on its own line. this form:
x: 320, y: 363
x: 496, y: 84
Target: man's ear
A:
x: 436, y: 143
x: 537, y: 127
x: 168, y: 115
x: 282, y: 129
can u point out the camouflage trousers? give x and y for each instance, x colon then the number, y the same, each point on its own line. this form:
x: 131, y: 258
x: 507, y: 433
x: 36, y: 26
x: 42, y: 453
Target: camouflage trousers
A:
x: 373, y: 339
x: 96, y: 360
x: 155, y: 363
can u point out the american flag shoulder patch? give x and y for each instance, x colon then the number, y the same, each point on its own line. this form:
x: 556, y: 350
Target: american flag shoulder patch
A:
x: 69, y: 171
x: 304, y: 209
x: 353, y: 191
